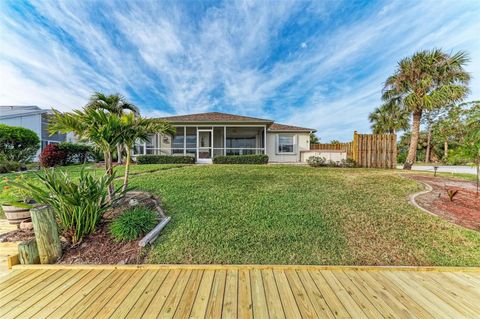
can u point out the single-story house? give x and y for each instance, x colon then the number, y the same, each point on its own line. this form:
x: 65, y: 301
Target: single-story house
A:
x: 207, y: 135
x: 31, y: 117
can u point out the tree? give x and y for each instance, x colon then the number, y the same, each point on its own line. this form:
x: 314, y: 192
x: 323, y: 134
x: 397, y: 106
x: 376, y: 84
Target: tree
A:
x: 314, y: 139
x: 389, y: 118
x: 117, y: 105
x: 470, y: 148
x: 136, y: 128
x: 335, y: 142
x: 17, y: 144
x: 426, y: 81
x: 429, y: 119
x: 97, y: 126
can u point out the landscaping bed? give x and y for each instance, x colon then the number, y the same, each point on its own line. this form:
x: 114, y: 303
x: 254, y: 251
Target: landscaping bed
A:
x: 463, y: 210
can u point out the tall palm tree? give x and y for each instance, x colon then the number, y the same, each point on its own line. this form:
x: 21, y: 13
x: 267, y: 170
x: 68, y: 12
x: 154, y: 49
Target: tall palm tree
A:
x: 102, y: 129
x: 137, y: 128
x: 389, y: 118
x: 115, y: 104
x: 426, y: 81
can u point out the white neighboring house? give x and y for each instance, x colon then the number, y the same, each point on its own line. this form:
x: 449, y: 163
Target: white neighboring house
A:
x: 34, y: 118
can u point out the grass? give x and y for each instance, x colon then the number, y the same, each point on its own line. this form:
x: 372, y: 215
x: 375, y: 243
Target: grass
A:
x: 300, y: 215
x: 281, y: 214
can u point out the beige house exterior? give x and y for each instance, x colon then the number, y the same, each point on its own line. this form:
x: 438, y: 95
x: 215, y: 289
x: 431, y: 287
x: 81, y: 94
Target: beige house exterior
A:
x: 207, y: 135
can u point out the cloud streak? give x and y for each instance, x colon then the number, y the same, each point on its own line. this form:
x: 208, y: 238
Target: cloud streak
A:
x: 318, y: 64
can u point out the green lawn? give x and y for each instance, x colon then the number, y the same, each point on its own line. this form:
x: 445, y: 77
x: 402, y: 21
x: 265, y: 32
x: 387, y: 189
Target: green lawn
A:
x: 279, y: 214
x: 300, y: 215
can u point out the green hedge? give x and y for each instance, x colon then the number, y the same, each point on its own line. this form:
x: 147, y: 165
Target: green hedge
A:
x: 241, y: 159
x: 8, y: 166
x: 165, y: 159
x: 18, y: 144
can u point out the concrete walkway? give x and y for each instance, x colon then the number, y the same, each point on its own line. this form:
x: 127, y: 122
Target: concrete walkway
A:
x: 444, y: 169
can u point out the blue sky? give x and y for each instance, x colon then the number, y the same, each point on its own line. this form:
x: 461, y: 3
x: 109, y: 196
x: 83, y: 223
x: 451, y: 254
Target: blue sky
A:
x: 317, y: 64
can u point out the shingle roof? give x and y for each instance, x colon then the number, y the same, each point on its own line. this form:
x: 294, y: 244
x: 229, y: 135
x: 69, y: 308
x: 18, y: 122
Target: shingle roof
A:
x: 213, y: 117
x: 288, y: 128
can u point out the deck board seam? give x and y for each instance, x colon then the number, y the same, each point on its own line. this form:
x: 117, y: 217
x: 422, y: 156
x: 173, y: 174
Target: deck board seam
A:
x: 182, y: 293
x: 196, y: 294
x: 153, y: 295
x: 278, y: 291
x: 63, y: 290
x: 120, y: 303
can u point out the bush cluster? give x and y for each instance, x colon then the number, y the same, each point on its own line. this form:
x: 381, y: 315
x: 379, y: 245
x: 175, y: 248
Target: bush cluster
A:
x: 318, y: 161
x: 241, y: 159
x: 165, y: 159
x: 76, y: 153
x: 132, y: 224
x: 17, y: 144
x: 9, y: 166
x: 64, y: 154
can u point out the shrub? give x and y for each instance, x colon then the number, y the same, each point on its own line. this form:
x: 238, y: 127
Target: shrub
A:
x: 241, y: 159
x: 132, y: 224
x: 52, y: 156
x: 317, y: 161
x: 79, y: 203
x: 9, y: 166
x: 17, y: 144
x: 76, y: 153
x: 165, y: 159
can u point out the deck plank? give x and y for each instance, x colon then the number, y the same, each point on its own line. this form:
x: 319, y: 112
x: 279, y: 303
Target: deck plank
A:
x: 161, y: 296
x: 215, y: 302
x: 175, y: 295
x: 230, y: 301
x: 275, y: 308
x: 260, y: 308
x: 186, y: 302
x: 199, y: 307
x: 142, y: 303
x: 289, y: 304
x: 41, y: 291
x: 245, y: 307
x: 238, y: 292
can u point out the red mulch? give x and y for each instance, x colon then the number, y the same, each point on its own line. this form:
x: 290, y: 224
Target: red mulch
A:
x: 464, y: 210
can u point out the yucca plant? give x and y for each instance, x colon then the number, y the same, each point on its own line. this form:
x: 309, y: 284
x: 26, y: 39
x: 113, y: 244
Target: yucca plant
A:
x: 79, y: 204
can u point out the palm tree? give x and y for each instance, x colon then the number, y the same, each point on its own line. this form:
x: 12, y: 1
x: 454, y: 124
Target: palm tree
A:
x: 115, y: 104
x: 389, y: 118
x: 426, y: 81
x: 102, y: 129
x: 138, y: 129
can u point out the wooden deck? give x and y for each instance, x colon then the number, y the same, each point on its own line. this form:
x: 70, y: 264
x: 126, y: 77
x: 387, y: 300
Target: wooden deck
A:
x: 237, y: 292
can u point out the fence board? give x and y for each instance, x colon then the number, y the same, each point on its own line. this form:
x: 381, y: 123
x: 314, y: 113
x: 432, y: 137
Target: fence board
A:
x: 368, y: 150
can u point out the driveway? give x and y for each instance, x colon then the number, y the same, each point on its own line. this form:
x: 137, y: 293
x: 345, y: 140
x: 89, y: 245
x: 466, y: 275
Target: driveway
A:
x: 444, y: 169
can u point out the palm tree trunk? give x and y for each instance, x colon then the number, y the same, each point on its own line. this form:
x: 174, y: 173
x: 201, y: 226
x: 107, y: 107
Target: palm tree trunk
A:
x: 127, y: 169
x: 445, y: 150
x: 119, y: 154
x: 429, y: 139
x: 109, y: 171
x: 412, y: 150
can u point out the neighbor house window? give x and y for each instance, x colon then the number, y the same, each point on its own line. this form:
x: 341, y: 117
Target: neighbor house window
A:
x: 286, y: 143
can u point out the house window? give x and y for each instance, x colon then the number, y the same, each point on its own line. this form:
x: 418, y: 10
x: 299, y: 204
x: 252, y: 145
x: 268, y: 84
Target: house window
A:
x: 286, y: 143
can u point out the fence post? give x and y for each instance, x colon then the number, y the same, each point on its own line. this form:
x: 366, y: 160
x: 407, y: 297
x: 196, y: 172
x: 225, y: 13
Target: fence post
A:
x: 46, y: 234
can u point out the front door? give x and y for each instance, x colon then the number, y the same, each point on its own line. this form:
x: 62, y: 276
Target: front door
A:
x: 204, y: 146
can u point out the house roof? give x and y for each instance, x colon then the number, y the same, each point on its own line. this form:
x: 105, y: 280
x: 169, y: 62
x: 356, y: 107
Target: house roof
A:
x: 289, y: 128
x: 11, y: 111
x: 212, y: 117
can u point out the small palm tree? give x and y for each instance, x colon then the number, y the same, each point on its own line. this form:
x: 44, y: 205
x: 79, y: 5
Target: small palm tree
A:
x: 389, y: 118
x: 426, y: 81
x: 115, y: 104
x: 101, y: 128
x: 139, y: 129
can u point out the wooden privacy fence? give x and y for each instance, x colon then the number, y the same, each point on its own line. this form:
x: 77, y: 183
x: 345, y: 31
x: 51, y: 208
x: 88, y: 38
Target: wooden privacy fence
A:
x: 367, y: 150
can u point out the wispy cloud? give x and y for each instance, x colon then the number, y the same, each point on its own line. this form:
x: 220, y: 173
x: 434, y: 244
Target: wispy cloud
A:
x: 319, y: 64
